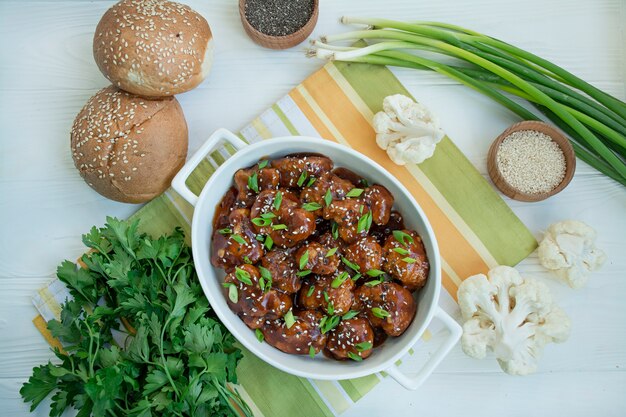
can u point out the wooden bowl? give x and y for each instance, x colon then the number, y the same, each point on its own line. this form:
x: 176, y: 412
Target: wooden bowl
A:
x: 279, y: 42
x: 556, y: 136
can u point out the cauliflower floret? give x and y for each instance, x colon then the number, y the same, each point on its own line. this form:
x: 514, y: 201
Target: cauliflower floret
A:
x: 568, y: 248
x: 511, y: 316
x: 406, y: 130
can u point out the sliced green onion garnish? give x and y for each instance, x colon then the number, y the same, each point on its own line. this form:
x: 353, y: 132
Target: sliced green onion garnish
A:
x: 328, y: 198
x: 269, y: 242
x: 402, y: 237
x: 311, y: 181
x: 289, y: 319
x: 259, y: 335
x: 340, y: 279
x: 311, y: 206
x: 374, y: 282
x: 375, y: 273
x: 302, y: 178
x: 232, y: 291
x: 253, y: 182
x: 349, y: 315
x: 268, y: 215
x: 355, y: 192
x: 363, y: 346
x: 243, y: 276
x: 303, y: 273
x: 279, y: 227
x: 225, y: 231
x: 401, y: 251
x: 330, y: 309
x: 334, y: 230
x: 330, y: 253
x: 354, y: 357
x: 380, y: 313
x: 263, y: 163
x: 239, y: 239
x: 409, y: 260
x: 261, y: 222
x: 311, y: 352
x: 278, y: 199
x: 310, y: 291
x: 350, y: 264
x: 304, y: 259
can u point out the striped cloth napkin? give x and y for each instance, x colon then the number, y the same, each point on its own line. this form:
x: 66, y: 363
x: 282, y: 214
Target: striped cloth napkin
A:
x: 475, y: 229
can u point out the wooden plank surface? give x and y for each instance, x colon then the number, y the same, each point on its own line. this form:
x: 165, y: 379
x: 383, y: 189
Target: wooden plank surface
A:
x: 47, y: 73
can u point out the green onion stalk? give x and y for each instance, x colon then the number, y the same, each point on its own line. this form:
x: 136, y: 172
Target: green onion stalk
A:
x: 594, y: 120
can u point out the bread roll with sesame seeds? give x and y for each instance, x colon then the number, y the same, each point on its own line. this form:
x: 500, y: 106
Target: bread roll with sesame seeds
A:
x: 153, y: 48
x: 128, y: 148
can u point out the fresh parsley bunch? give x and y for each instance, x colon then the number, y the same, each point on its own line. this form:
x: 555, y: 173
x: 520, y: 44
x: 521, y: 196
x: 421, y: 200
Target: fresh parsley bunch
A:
x: 139, y: 338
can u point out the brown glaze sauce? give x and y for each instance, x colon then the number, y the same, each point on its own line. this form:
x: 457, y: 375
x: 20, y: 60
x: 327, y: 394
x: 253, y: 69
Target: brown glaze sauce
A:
x: 318, y: 256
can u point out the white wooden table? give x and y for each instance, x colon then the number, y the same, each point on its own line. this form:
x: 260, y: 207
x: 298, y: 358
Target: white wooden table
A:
x: 47, y: 73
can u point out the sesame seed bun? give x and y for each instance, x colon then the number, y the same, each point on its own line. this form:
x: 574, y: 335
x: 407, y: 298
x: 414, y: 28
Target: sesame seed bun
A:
x: 153, y: 48
x: 128, y: 148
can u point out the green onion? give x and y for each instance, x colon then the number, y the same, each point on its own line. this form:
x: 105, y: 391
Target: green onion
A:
x: 349, y: 315
x: 334, y: 230
x: 289, y: 319
x: 303, y: 273
x: 265, y: 273
x: 278, y: 199
x: 340, y: 279
x: 268, y: 216
x: 365, y: 222
x: 311, y: 206
x: 355, y: 192
x: 232, y: 291
x: 326, y: 298
x: 258, y: 221
x: 354, y: 357
x: 260, y: 238
x: 310, y: 291
x: 329, y: 324
x: 253, y: 182
x: 328, y: 198
x: 375, y: 273
x: 243, y: 276
x: 349, y: 264
x: 331, y: 252
x: 595, y: 121
x: 247, y: 260
x: 356, y: 277
x: 259, y: 335
x: 380, y: 313
x: 402, y: 237
x: 239, y: 239
x: 363, y: 346
x: 311, y: 181
x: 409, y: 260
x: 279, y: 227
x: 311, y: 351
x: 263, y: 163
x: 225, y: 231
x: 304, y: 259
x: 302, y: 178
x: 330, y: 308
x: 269, y: 242
x: 375, y: 282
x: 401, y: 251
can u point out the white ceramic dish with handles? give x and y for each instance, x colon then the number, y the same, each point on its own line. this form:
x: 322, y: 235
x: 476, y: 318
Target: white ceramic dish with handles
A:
x: 383, y: 358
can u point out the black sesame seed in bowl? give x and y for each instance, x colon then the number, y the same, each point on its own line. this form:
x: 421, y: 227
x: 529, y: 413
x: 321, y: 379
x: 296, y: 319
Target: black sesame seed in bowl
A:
x: 278, y: 24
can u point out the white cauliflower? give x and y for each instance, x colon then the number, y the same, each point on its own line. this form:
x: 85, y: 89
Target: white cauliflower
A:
x: 568, y: 248
x: 511, y: 316
x: 406, y: 130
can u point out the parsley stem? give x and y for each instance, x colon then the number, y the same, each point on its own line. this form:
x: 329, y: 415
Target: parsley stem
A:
x: 163, y: 365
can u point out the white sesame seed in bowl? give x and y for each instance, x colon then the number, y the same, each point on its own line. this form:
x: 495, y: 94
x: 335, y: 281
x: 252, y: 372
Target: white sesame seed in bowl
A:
x: 531, y: 161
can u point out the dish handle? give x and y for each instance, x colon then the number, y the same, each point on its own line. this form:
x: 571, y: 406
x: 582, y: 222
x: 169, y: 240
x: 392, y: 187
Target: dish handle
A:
x: 414, y: 382
x: 179, y: 183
